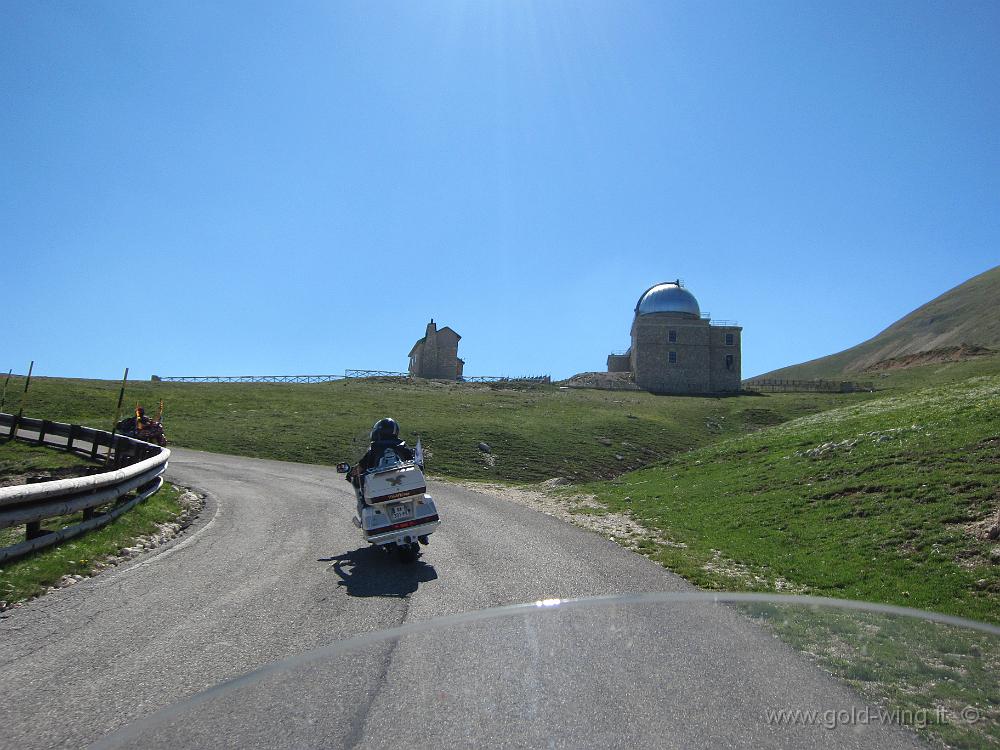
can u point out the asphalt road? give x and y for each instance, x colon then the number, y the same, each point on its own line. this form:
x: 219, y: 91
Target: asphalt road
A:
x: 274, y: 568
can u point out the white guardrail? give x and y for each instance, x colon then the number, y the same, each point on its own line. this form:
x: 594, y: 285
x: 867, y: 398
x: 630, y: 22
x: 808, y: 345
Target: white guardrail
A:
x: 133, y: 467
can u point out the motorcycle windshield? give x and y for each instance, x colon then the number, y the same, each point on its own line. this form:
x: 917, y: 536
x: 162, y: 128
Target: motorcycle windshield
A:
x: 655, y: 670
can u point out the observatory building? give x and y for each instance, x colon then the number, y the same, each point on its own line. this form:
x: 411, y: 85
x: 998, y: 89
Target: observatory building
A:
x: 436, y: 354
x: 678, y: 349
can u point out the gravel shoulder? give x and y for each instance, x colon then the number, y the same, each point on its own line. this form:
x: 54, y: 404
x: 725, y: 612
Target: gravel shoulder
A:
x: 578, y: 509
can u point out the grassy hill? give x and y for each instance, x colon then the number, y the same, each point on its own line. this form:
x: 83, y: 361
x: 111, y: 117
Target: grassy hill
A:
x: 534, y: 432
x: 19, y: 460
x: 967, y: 314
x: 891, y: 500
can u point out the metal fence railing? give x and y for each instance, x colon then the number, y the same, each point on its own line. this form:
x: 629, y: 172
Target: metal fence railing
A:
x: 462, y: 379
x: 128, y: 466
x: 246, y: 378
x: 327, y: 378
x: 506, y: 379
x: 375, y: 374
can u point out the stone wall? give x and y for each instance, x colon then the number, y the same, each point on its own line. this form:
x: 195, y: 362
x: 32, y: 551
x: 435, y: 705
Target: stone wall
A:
x: 699, y: 352
x: 725, y: 359
x: 619, y: 363
x: 446, y: 362
x: 651, y: 353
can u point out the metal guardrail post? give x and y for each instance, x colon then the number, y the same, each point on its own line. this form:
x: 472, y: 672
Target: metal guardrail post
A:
x: 46, y: 426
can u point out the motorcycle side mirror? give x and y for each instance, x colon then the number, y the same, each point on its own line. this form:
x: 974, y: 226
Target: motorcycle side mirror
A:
x: 343, y: 468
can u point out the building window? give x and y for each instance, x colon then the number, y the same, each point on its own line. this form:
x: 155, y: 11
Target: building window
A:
x: 671, y: 336
x: 672, y: 358
x: 730, y: 361
x: 729, y: 339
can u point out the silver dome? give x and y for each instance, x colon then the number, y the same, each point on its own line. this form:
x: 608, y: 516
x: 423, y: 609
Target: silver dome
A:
x: 668, y: 297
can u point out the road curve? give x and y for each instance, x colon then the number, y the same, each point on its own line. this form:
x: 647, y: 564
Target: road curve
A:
x: 274, y: 568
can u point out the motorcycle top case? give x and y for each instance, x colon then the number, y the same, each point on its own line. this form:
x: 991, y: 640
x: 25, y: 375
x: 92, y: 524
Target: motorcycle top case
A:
x: 396, y: 483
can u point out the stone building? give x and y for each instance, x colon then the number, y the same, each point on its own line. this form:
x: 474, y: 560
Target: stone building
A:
x: 677, y: 349
x: 436, y: 354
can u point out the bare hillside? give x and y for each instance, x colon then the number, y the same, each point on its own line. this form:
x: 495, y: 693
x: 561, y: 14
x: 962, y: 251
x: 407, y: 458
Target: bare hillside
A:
x: 967, y: 315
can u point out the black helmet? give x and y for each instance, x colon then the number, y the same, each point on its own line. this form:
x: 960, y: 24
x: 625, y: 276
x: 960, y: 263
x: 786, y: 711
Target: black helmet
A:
x: 385, y: 429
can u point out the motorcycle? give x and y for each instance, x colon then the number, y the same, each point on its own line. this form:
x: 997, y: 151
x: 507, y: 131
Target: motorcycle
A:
x: 143, y: 428
x: 394, y: 510
x: 147, y: 430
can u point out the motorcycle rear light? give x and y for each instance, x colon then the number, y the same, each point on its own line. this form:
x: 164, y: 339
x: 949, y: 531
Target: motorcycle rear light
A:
x: 404, y: 524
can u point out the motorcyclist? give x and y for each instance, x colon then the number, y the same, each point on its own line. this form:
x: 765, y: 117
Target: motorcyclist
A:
x: 134, y: 424
x: 384, y: 437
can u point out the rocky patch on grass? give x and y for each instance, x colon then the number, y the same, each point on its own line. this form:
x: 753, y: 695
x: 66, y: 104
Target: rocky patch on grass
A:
x: 744, y: 576
x: 824, y: 449
x: 988, y: 529
x: 844, y: 446
x: 614, y: 381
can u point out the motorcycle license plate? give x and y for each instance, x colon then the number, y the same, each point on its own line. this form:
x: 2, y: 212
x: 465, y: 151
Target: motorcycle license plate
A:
x: 400, y: 512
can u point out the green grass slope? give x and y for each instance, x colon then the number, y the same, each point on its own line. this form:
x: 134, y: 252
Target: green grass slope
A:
x: 18, y: 460
x: 86, y: 554
x: 535, y: 432
x: 967, y: 314
x: 887, y: 501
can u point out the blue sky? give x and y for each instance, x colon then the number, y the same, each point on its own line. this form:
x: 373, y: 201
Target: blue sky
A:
x: 279, y: 188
